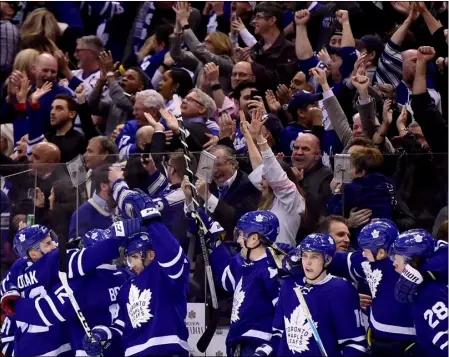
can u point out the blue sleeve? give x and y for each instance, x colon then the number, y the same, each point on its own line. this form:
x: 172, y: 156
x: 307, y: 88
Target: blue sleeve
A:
x: 126, y: 143
x: 36, y: 128
x: 348, y: 322
x: 5, y: 215
x: 306, y: 65
x: 348, y: 266
x: 7, y: 336
x: 170, y: 256
x: 157, y: 183
x: 349, y: 56
x: 106, y: 9
x: 152, y: 63
x: 74, y: 83
x: 72, y: 228
x: 226, y: 269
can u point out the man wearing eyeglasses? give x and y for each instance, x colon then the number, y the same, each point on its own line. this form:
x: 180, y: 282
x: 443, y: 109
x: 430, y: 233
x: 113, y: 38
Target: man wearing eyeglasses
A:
x: 273, y: 58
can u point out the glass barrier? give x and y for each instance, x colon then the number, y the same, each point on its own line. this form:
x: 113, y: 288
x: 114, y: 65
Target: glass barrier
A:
x: 73, y: 199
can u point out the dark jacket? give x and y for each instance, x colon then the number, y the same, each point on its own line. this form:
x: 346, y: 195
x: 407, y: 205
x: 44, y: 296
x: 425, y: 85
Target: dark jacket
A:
x: 275, y: 66
x: 240, y: 198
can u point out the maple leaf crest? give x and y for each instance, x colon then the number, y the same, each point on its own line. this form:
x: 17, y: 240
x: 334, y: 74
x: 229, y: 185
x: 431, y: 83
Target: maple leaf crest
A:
x: 375, y: 233
x: 139, y: 306
x: 372, y: 277
x: 298, y: 331
x: 418, y: 238
x: 259, y: 218
x: 192, y: 314
x: 239, y: 296
x: 22, y: 237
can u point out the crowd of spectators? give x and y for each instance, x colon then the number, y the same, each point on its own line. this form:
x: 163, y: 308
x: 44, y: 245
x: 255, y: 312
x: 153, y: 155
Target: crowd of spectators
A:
x: 273, y: 90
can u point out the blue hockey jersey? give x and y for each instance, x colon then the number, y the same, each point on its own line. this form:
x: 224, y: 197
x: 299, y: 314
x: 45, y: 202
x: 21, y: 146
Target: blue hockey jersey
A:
x: 389, y: 319
x: 126, y: 140
x: 256, y: 289
x: 96, y: 295
x: 338, y: 322
x: 153, y: 305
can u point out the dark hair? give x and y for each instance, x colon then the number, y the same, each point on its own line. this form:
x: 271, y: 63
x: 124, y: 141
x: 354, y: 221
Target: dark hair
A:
x: 144, y: 79
x: 181, y: 77
x: 442, y: 231
x: 272, y: 9
x: 361, y: 141
x: 108, y: 147
x: 163, y: 33
x: 71, y: 103
x: 241, y: 87
x: 324, y: 224
x: 99, y: 176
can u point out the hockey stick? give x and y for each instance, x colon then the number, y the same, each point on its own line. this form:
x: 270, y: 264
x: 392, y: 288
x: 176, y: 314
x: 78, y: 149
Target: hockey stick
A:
x: 62, y: 245
x: 309, y: 319
x: 205, y: 339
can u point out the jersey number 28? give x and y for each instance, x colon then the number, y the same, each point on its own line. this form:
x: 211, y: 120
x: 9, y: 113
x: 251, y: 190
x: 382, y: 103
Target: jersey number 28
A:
x: 440, y: 312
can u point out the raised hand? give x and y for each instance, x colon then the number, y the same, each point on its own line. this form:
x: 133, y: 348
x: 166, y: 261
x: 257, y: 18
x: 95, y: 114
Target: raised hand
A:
x: 401, y: 121
x: 213, y: 140
x: 41, y: 92
x: 156, y: 125
x: 426, y: 53
x: 63, y: 62
x: 22, y: 92
x: 360, y: 82
x: 273, y: 103
x: 187, y: 189
x: 257, y: 123
x: 201, y: 188
x: 80, y: 93
x: 237, y: 25
x: 319, y: 75
x: 387, y: 112
x: 283, y: 93
x: 107, y: 62
x: 183, y: 11
x: 115, y: 174
x: 39, y: 200
x: 227, y: 127
x: 342, y: 16
x: 302, y: 17
x: 170, y: 120
x: 324, y: 56
x: 244, y: 126
x: 212, y: 72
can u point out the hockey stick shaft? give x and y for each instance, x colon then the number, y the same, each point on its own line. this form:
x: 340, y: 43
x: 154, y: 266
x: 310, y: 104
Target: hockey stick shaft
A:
x: 306, y: 310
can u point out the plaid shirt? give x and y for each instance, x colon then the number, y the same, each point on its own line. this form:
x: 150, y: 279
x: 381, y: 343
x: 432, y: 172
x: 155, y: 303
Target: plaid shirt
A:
x: 9, y: 45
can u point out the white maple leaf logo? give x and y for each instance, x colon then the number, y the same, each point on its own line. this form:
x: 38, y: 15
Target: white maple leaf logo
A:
x: 22, y: 237
x: 239, y: 296
x: 372, y: 277
x: 375, y: 233
x: 259, y: 218
x: 298, y: 331
x: 139, y: 306
x: 418, y: 238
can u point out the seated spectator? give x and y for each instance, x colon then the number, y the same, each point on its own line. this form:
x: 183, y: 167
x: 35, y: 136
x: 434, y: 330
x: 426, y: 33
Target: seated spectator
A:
x: 147, y: 101
x: 368, y: 190
x: 216, y: 48
x: 273, y: 58
x: 97, y: 212
x: 313, y: 177
x: 279, y: 194
x: 231, y: 194
x: 337, y: 227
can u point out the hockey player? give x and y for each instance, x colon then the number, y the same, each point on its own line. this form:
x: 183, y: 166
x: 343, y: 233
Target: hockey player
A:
x: 251, y: 276
x: 412, y: 253
x: 96, y: 294
x: 391, y: 331
x: 152, y: 306
x: 337, y: 321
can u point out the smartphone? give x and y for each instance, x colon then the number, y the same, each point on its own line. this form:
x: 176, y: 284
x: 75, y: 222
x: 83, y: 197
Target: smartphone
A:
x: 146, y: 154
x: 342, y: 168
x: 206, y: 166
x: 233, y: 17
x: 256, y: 95
x: 31, y: 193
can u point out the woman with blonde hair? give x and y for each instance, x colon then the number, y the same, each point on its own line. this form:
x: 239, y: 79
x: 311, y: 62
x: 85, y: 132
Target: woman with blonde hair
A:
x: 25, y: 61
x: 280, y: 194
x: 40, y: 31
x: 216, y: 48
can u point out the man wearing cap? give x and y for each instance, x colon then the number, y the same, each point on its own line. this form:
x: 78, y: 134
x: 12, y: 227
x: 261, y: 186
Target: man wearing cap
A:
x: 9, y: 38
x: 307, y: 117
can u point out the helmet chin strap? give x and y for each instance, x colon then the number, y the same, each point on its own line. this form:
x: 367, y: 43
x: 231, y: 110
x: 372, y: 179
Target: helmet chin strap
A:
x: 248, y: 250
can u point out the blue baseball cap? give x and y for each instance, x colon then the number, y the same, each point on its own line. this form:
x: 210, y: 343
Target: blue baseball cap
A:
x: 301, y: 100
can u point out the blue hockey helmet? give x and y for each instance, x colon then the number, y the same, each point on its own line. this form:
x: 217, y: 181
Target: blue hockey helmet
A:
x: 138, y: 243
x: 319, y: 243
x: 265, y: 223
x: 413, y: 243
x: 380, y: 233
x: 92, y: 237
x: 29, y: 237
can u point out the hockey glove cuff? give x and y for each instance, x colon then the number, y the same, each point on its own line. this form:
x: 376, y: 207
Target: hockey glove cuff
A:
x: 291, y: 264
x: 101, y: 336
x: 8, y: 302
x: 407, y: 285
x: 214, y: 233
x: 126, y: 228
x: 263, y: 351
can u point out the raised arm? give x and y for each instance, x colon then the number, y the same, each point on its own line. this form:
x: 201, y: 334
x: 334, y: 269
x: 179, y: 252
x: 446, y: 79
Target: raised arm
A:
x: 303, y: 47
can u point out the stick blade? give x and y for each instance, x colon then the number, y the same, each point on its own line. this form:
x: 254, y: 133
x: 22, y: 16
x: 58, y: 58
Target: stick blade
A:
x: 208, y: 334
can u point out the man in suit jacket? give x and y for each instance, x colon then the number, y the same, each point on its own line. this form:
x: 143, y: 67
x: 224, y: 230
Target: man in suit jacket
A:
x: 231, y: 194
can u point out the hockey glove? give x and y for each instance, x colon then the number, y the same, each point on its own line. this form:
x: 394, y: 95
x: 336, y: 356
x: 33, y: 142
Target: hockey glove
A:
x: 126, y: 228
x: 263, y: 351
x: 133, y: 204
x: 214, y: 234
x: 9, y: 299
x: 407, y: 284
x: 99, y: 343
x: 291, y: 264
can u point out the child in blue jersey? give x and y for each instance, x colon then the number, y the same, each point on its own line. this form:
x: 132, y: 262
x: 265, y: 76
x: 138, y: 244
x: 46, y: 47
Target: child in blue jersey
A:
x: 251, y: 276
x: 96, y: 294
x: 152, y: 307
x: 333, y: 304
x: 391, y: 330
x: 415, y: 258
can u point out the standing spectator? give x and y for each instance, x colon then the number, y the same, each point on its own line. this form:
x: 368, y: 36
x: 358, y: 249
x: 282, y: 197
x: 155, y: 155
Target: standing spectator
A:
x: 337, y: 228
x: 175, y: 81
x: 9, y: 38
x: 273, y: 58
x: 313, y: 177
x: 232, y: 194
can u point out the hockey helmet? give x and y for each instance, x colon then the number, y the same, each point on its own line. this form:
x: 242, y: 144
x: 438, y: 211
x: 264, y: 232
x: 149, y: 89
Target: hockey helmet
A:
x: 378, y: 234
x: 413, y: 243
x: 319, y: 243
x: 29, y: 237
x: 265, y: 223
x: 138, y: 243
x: 92, y: 237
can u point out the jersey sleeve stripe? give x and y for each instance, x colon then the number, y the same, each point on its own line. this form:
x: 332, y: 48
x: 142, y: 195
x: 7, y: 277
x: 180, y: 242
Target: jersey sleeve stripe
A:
x: 227, y: 273
x: 275, y: 301
x: 7, y: 339
x: 265, y: 348
x: 80, y: 262
x: 105, y: 329
x: 70, y: 264
x: 40, y: 312
x: 258, y: 334
x: 120, y: 323
x: 348, y: 260
x: 355, y: 339
x: 172, y: 262
x: 438, y: 336
x: 53, y: 308
x: 176, y: 276
x: 117, y: 330
x: 357, y: 347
